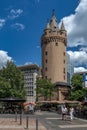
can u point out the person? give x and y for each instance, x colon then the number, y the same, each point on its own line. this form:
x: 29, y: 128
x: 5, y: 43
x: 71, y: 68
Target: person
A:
x: 31, y: 108
x: 71, y: 113
x: 64, y: 112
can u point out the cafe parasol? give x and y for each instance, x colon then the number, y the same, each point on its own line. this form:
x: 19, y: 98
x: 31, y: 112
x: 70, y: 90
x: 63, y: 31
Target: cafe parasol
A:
x: 28, y: 103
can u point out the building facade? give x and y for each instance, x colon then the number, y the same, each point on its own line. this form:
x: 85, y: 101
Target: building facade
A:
x: 70, y: 69
x: 30, y: 73
x: 53, y: 45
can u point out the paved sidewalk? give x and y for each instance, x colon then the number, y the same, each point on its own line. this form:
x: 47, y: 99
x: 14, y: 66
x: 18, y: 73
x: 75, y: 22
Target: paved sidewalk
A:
x: 46, y: 121
x: 9, y: 124
x: 12, y: 124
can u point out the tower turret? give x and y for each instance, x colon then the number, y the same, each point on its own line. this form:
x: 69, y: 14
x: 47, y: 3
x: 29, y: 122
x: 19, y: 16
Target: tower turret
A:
x: 47, y: 25
x: 62, y: 27
x: 47, y: 29
x: 53, y: 43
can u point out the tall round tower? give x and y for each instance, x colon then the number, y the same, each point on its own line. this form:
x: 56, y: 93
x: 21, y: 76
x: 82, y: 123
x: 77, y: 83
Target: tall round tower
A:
x: 53, y: 44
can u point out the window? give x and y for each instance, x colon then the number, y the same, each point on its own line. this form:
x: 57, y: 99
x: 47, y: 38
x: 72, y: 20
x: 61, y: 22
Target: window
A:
x: 46, y: 52
x: 45, y: 77
x: 46, y: 69
x: 46, y: 61
x: 45, y: 33
x: 64, y: 70
x: 64, y: 53
x: 64, y: 77
x: 56, y: 44
x: 61, y: 33
x: 64, y: 61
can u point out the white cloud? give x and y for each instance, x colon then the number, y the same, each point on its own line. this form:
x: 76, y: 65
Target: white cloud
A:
x: 78, y: 58
x: 18, y: 26
x: 4, y: 58
x: 84, y: 48
x: 28, y: 63
x: 79, y: 69
x: 15, y: 13
x: 76, y: 25
x: 2, y: 22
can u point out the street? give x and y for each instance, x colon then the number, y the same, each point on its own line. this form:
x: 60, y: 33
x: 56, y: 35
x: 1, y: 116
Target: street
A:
x: 40, y: 120
x: 53, y: 121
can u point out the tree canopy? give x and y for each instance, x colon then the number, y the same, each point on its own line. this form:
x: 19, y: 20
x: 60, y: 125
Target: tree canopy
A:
x: 44, y: 88
x: 11, y: 82
x: 78, y: 91
x: 76, y: 82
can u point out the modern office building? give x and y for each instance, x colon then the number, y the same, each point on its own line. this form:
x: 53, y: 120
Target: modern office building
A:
x: 70, y: 69
x: 30, y: 73
x: 53, y: 44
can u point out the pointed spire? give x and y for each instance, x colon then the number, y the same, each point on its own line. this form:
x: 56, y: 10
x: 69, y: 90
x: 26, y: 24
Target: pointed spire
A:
x: 53, y: 22
x: 62, y: 27
x: 47, y: 25
x: 53, y: 15
x: 53, y: 12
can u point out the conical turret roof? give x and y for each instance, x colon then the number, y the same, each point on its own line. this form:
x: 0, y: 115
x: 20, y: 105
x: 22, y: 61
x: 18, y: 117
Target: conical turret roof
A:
x: 62, y: 27
x: 47, y: 25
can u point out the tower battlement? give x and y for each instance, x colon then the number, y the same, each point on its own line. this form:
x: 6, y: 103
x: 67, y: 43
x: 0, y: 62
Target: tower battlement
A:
x: 52, y: 33
x: 53, y: 38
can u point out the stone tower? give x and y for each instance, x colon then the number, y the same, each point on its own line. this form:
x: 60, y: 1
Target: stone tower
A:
x: 53, y: 44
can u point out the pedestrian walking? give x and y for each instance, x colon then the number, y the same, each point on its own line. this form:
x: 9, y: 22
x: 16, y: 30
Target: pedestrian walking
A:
x: 64, y: 112
x: 31, y: 108
x: 71, y: 113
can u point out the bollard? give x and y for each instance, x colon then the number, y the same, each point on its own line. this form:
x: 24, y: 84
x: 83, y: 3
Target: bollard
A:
x: 20, y: 119
x: 36, y: 124
x: 16, y: 116
x: 26, y: 122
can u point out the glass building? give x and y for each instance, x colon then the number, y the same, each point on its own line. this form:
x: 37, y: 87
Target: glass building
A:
x: 70, y: 69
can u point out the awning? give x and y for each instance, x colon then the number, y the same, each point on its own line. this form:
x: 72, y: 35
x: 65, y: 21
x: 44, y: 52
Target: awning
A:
x: 12, y: 99
x: 60, y: 101
x: 53, y: 101
x: 27, y: 103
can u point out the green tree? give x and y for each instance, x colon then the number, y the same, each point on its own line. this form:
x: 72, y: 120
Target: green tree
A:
x: 77, y: 95
x: 44, y: 88
x: 11, y: 81
x: 76, y: 82
x: 77, y: 91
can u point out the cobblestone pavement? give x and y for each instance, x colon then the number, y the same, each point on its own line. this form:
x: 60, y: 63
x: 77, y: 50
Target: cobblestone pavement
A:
x: 54, y: 122
x: 45, y: 121
x: 9, y: 122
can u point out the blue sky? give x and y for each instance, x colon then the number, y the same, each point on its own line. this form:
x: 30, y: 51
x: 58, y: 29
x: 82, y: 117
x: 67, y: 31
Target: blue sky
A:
x: 22, y: 23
